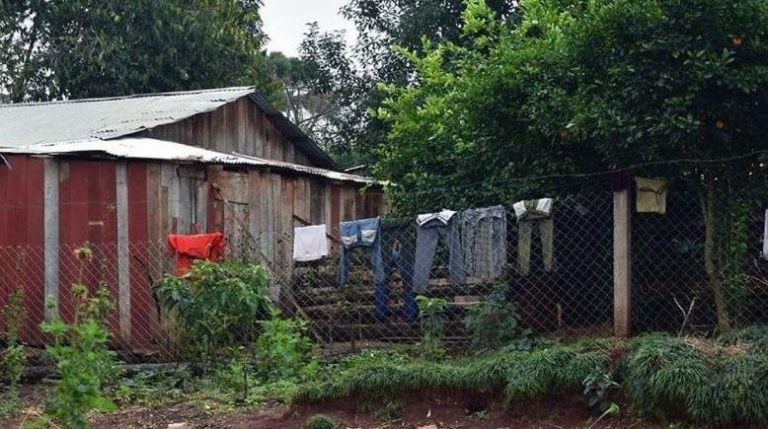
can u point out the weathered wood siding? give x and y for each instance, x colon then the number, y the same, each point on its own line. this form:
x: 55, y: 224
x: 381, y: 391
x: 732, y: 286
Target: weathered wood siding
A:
x: 240, y: 126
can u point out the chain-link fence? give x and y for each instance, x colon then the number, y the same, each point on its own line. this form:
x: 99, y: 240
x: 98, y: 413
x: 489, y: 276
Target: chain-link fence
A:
x: 555, y: 267
x: 139, y: 328
x: 553, y: 264
x: 676, y: 280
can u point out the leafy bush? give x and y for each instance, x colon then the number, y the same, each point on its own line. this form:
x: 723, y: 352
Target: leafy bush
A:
x: 83, y: 360
x: 431, y: 317
x: 283, y: 350
x: 320, y: 421
x: 217, y: 305
x: 494, y: 323
x: 13, y: 358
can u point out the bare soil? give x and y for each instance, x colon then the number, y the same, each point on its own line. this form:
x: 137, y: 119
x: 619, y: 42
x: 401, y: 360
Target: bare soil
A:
x: 444, y: 410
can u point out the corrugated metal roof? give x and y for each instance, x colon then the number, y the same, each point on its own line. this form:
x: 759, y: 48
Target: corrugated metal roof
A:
x: 161, y: 150
x: 25, y: 124
x: 294, y: 134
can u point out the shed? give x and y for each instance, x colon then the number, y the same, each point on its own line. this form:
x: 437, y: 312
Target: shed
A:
x: 122, y: 173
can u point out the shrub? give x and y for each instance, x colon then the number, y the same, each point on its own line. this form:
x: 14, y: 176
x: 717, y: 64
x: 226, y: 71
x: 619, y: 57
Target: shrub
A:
x: 494, y: 323
x: 431, y: 317
x: 320, y: 421
x: 283, y: 350
x: 83, y: 360
x: 217, y: 306
x: 13, y: 358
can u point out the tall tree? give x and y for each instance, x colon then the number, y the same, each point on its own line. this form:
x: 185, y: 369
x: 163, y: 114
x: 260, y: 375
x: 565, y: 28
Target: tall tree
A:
x: 92, y: 48
x: 351, y: 75
x: 586, y: 86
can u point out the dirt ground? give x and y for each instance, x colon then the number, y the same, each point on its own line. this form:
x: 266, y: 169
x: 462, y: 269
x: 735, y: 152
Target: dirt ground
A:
x: 445, y: 411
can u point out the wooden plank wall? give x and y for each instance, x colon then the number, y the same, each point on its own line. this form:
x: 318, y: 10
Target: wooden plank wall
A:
x: 239, y: 126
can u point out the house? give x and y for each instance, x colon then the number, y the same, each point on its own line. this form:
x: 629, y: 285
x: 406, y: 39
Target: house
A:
x: 122, y: 173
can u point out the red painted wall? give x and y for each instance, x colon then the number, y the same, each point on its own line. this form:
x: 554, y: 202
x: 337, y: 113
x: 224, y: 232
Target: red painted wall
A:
x: 21, y: 237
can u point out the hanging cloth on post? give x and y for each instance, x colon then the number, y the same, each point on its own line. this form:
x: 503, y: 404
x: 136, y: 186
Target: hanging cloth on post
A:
x: 365, y: 234
x: 651, y: 195
x: 528, y: 213
x: 310, y: 243
x: 431, y: 227
x: 484, y: 236
x: 189, y: 248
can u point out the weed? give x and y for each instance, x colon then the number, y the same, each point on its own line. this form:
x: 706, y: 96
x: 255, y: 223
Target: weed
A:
x: 597, y: 390
x: 320, y: 421
x: 13, y: 358
x: 390, y: 411
x: 83, y: 361
x: 283, y: 350
x: 493, y: 323
x: 431, y: 316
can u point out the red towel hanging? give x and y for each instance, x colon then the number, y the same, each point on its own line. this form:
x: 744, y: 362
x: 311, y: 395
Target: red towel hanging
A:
x: 191, y: 247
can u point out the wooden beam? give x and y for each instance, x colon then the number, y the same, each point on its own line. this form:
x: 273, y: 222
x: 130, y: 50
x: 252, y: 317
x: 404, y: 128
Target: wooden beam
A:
x: 622, y: 263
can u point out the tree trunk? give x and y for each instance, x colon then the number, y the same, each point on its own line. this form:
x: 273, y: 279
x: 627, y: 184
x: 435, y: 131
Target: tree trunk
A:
x: 711, y: 256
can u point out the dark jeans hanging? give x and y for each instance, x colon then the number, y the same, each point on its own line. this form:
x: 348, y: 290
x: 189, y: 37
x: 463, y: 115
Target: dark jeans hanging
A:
x: 427, y: 237
x: 365, y: 234
x: 399, y: 242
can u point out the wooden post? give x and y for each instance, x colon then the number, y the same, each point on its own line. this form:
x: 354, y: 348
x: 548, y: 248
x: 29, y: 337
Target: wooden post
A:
x: 622, y: 263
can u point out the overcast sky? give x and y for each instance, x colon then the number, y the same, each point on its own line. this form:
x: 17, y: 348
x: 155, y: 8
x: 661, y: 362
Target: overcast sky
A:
x: 285, y: 21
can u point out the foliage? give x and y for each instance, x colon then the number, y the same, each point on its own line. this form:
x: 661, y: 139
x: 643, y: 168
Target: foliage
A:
x: 687, y: 379
x: 320, y: 421
x: 432, y: 319
x: 83, y: 360
x: 87, y: 48
x: 391, y: 410
x: 217, y: 305
x: 13, y: 358
x: 14, y: 316
x: 335, y: 84
x: 571, y: 88
x: 698, y: 381
x: 494, y: 323
x: 12, y: 363
x: 555, y: 370
x: 283, y: 351
x: 597, y: 391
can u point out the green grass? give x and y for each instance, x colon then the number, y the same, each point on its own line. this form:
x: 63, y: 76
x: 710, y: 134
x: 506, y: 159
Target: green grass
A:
x: 723, y: 382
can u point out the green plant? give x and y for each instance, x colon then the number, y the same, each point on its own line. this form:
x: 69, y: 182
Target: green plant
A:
x: 83, y: 360
x: 12, y: 362
x: 13, y: 358
x: 320, y: 421
x: 431, y: 318
x: 283, y: 351
x: 494, y: 323
x: 597, y: 390
x: 390, y: 411
x: 14, y: 315
x: 217, y: 306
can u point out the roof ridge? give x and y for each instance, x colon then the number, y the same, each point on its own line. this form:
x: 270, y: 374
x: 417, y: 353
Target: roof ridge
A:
x: 125, y: 97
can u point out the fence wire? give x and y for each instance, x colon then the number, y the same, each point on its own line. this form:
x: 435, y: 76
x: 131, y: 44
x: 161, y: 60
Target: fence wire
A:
x: 557, y: 270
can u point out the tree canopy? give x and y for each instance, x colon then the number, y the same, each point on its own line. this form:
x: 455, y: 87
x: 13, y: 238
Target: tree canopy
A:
x: 579, y: 87
x: 52, y: 49
x: 576, y: 86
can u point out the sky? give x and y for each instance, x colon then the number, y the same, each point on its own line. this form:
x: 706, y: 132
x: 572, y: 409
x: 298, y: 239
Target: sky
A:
x: 285, y: 21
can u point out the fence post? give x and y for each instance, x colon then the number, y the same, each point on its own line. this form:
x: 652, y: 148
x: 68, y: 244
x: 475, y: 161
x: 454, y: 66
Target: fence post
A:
x: 622, y: 258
